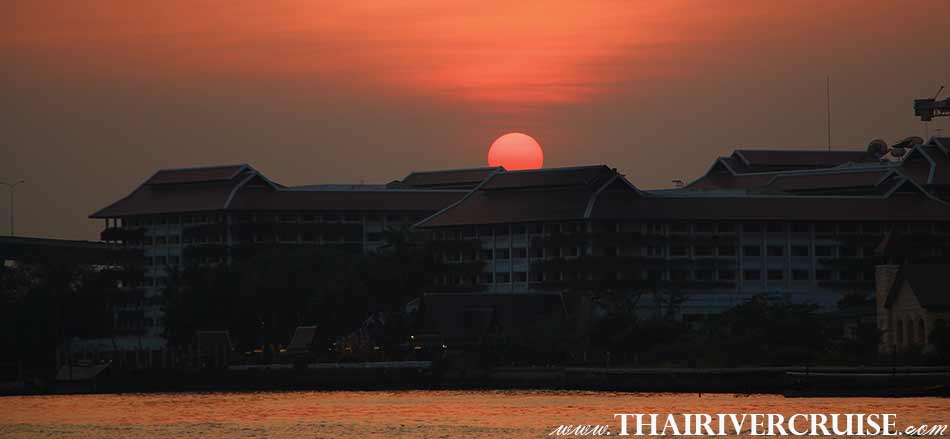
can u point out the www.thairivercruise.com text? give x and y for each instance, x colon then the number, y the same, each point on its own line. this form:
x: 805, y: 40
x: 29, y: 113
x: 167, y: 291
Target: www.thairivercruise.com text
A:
x: 752, y: 424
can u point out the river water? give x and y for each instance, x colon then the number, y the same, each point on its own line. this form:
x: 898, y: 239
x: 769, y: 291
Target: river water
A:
x: 402, y: 414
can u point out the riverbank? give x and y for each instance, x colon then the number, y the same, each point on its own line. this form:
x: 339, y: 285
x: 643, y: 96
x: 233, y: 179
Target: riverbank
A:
x: 791, y: 381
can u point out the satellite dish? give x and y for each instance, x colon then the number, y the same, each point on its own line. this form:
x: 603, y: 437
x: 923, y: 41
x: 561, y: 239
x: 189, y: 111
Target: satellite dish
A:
x: 877, y: 148
x: 909, y: 142
x: 898, y: 151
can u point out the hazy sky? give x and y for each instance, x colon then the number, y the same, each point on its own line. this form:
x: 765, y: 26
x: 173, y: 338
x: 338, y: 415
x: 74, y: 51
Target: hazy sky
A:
x: 98, y: 94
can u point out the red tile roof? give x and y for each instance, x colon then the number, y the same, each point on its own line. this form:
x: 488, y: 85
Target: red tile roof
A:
x: 553, y: 177
x: 196, y: 175
x: 241, y: 192
x: 765, y: 160
x: 826, y: 181
x: 540, y: 195
x: 941, y: 174
x: 453, y: 178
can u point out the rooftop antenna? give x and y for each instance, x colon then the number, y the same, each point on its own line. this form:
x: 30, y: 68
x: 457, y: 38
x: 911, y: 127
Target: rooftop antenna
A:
x: 828, y: 102
x: 927, y: 109
x: 927, y: 122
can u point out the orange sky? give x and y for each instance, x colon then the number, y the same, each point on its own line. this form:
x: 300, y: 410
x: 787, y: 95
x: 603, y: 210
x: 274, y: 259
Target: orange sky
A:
x: 105, y: 91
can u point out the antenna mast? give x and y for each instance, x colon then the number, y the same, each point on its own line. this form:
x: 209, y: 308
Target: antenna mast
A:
x: 828, y: 102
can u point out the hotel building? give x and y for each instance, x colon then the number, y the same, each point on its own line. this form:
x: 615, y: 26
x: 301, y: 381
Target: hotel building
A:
x: 802, y: 224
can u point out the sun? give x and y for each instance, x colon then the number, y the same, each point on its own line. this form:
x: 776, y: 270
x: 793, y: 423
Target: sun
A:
x: 516, y: 151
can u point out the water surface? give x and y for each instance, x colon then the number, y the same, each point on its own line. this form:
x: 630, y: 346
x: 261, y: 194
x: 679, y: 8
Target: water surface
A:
x: 404, y: 414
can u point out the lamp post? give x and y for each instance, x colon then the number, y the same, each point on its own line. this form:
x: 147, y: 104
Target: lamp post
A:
x: 12, y: 187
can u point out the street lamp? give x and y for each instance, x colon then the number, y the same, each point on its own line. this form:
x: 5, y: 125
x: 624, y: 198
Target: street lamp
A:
x: 12, y: 187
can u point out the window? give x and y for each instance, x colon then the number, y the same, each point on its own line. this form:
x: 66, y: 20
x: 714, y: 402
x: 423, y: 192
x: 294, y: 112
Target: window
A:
x: 727, y: 250
x: 799, y: 250
x: 703, y: 251
x: 309, y: 218
x: 519, y: 230
x: 173, y: 239
x: 824, y: 251
x: 537, y: 252
x: 824, y: 229
x: 520, y: 253
x: 331, y: 218
x: 501, y: 231
x: 174, y: 260
x: 521, y: 276
x: 161, y: 260
x: 159, y: 240
x: 485, y: 254
x: 503, y: 254
x: 751, y: 228
x: 776, y: 274
x: 800, y: 228
x: 848, y: 228
x: 678, y: 250
x: 679, y: 228
x: 704, y: 228
x: 775, y: 250
x: 653, y: 251
x: 287, y: 218
x: 727, y: 275
x: 704, y: 275
x: 751, y: 250
x: 371, y: 237
x: 570, y: 251
x: 679, y: 275
x: 822, y: 274
x: 727, y: 228
x: 351, y: 218
x: 503, y: 277
x: 752, y: 275
x: 871, y: 228
x: 776, y: 228
x: 799, y: 275
x: 848, y: 252
x: 484, y: 278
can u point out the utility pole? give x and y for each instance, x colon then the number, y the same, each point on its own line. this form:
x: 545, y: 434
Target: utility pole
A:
x: 12, y: 187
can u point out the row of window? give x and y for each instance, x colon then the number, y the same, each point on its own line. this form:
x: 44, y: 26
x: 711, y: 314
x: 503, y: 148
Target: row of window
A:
x: 672, y: 275
x: 694, y: 228
x: 162, y: 260
x: 287, y: 218
x: 674, y: 251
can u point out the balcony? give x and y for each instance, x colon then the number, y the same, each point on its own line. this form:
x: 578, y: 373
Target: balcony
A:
x: 112, y: 234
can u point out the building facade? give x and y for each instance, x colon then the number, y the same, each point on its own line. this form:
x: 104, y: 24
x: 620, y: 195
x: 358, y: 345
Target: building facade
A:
x: 221, y: 214
x: 805, y: 225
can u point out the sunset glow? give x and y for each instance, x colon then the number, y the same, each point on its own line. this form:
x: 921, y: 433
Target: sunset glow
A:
x: 515, y: 152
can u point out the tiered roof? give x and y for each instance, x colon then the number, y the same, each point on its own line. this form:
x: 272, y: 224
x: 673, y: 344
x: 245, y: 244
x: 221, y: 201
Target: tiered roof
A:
x: 537, y: 195
x: 243, y: 188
